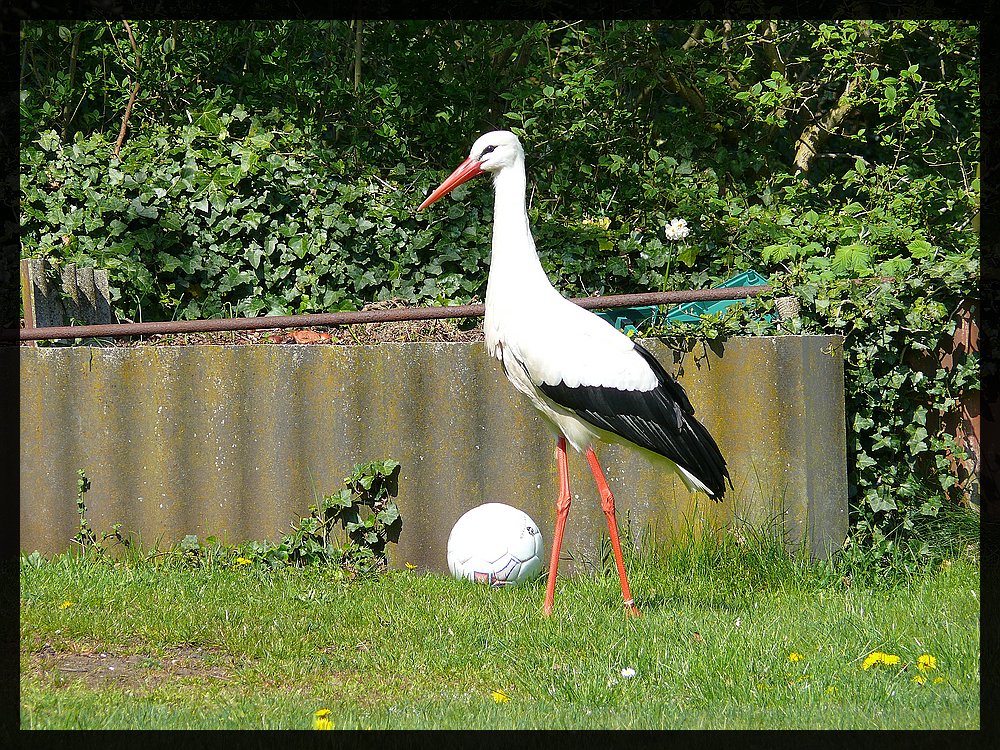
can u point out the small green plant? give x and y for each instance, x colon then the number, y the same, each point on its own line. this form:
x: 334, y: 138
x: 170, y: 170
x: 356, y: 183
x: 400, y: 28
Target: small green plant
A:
x: 364, y: 509
x: 85, y: 535
x: 371, y: 485
x: 203, y: 554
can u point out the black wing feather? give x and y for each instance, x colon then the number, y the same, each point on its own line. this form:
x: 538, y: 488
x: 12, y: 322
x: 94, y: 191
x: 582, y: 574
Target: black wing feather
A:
x: 661, y: 420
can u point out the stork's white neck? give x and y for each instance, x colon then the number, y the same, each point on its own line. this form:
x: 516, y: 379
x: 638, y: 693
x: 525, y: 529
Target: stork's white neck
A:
x: 515, y: 271
x: 518, y: 291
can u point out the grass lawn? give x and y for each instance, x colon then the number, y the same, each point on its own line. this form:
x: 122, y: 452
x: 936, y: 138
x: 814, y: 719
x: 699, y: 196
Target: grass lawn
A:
x: 728, y: 638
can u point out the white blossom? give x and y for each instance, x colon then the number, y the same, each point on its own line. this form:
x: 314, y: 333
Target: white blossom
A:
x: 677, y: 230
x: 628, y: 672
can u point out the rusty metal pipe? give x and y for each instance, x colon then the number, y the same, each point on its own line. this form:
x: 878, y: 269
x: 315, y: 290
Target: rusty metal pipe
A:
x: 366, y: 316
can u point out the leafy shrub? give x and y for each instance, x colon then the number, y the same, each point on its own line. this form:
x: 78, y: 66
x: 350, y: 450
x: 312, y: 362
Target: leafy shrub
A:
x: 899, y: 452
x: 233, y: 215
x: 313, y: 540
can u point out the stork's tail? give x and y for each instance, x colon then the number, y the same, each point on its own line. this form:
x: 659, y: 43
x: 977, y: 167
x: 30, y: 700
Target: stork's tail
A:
x: 713, y: 474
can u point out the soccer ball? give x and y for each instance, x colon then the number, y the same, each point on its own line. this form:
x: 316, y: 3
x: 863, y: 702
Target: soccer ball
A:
x: 495, y: 544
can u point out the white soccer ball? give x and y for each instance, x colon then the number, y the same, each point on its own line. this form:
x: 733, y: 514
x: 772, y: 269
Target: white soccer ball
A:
x: 495, y: 544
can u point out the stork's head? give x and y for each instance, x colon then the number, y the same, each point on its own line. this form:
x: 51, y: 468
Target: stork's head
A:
x: 490, y: 153
x: 496, y: 150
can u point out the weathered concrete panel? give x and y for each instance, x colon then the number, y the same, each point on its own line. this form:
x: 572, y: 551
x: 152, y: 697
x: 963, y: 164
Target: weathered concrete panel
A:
x: 237, y: 441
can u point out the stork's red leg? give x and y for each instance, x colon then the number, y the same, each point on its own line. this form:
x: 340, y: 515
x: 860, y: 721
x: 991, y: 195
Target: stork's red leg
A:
x: 608, y: 505
x: 562, y: 513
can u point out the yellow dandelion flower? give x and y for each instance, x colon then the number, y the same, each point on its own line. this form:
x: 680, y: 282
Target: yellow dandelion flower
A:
x: 938, y: 680
x: 500, y: 696
x: 873, y: 658
x: 919, y: 679
x: 243, y: 561
x: 410, y: 566
x: 66, y: 604
x: 878, y: 657
x: 926, y: 662
x: 795, y: 656
x: 321, y: 719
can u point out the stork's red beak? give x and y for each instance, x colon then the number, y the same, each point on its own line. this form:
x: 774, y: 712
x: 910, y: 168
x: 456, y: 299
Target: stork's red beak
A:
x: 465, y: 171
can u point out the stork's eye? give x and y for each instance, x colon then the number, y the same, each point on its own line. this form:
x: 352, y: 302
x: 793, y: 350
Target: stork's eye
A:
x: 487, y: 150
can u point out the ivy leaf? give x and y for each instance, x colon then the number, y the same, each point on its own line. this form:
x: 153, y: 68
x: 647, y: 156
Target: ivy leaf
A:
x: 863, y: 422
x: 299, y: 245
x: 49, y: 140
x: 918, y: 441
x: 146, y: 212
x: 864, y: 461
x: 388, y: 515
x: 688, y: 255
x: 255, y: 254
x: 388, y: 466
x: 879, y: 503
x: 342, y: 499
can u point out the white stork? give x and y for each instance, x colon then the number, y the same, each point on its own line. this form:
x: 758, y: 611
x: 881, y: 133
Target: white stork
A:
x: 590, y: 381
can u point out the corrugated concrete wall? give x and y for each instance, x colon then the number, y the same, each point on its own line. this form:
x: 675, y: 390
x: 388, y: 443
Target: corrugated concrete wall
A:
x: 237, y: 441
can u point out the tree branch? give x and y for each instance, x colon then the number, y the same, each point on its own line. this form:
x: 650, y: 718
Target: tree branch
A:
x: 694, y: 36
x: 128, y: 112
x: 503, y: 69
x: 135, y: 91
x: 814, y: 134
x: 357, y: 54
x: 690, y: 94
x: 770, y: 47
x: 817, y: 131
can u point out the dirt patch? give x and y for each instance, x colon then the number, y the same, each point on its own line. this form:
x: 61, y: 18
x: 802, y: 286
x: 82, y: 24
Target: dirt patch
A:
x: 97, y: 669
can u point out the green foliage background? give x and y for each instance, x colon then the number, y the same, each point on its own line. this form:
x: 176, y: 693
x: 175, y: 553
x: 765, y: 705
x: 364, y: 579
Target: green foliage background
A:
x: 274, y: 167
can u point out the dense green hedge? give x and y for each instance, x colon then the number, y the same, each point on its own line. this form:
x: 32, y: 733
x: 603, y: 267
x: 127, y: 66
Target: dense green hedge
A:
x: 275, y: 167
x: 234, y: 215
